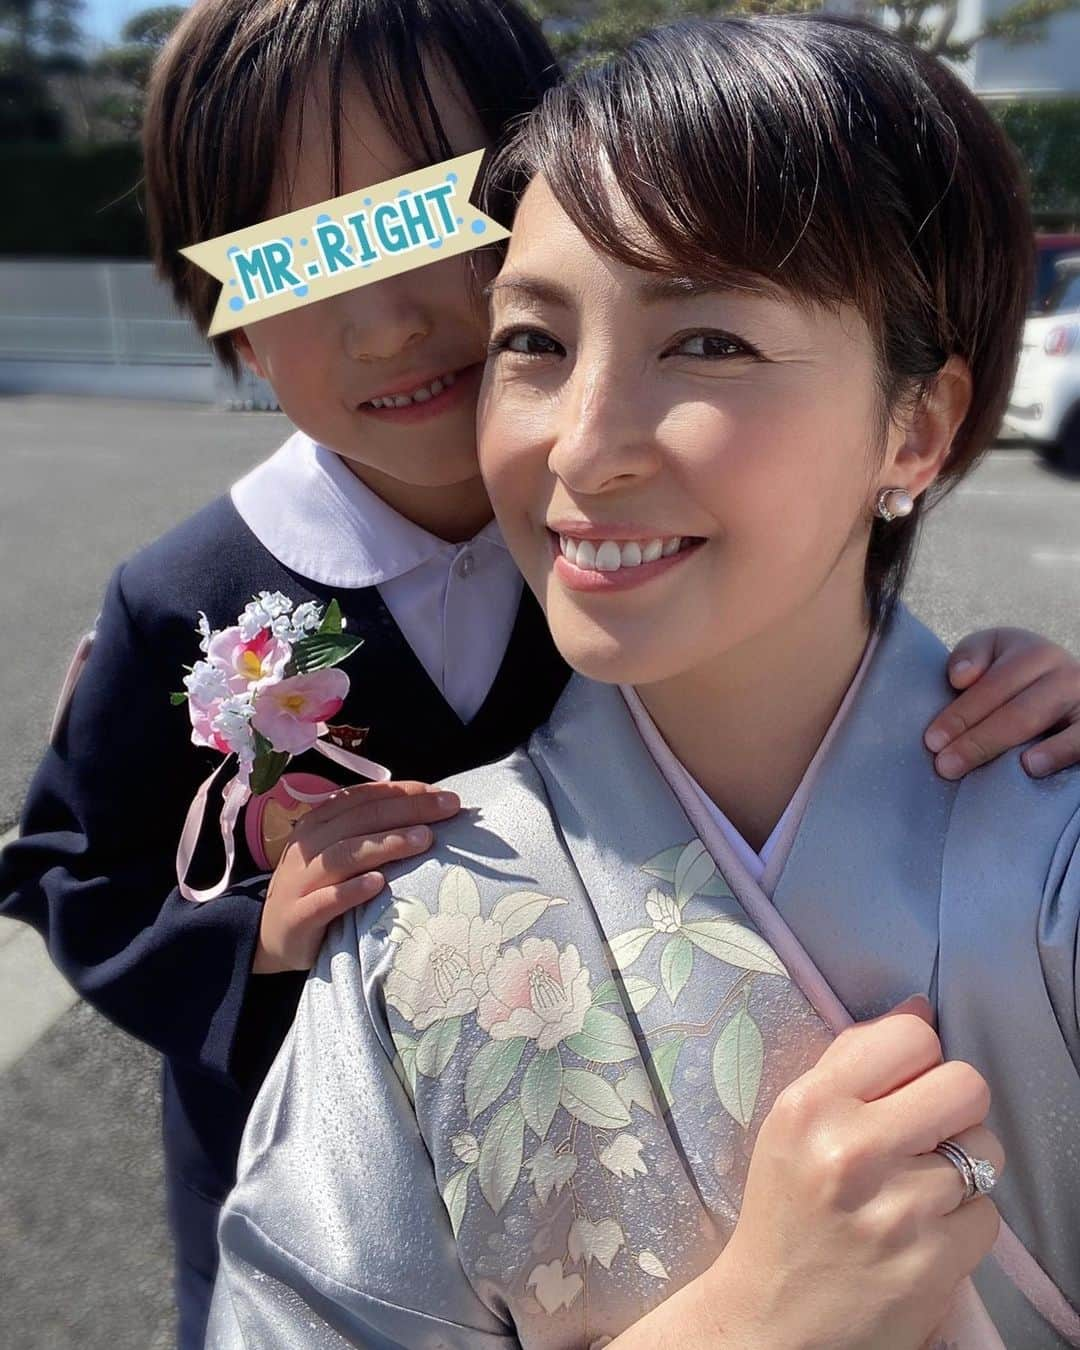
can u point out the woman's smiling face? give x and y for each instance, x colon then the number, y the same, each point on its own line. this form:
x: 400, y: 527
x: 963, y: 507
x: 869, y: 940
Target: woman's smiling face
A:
x: 622, y: 407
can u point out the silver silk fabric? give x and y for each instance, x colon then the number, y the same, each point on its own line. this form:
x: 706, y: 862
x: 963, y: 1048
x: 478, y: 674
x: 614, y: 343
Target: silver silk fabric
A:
x: 520, y: 1097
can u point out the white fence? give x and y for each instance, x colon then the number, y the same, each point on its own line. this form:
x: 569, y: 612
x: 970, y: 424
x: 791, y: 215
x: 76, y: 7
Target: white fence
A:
x: 106, y: 328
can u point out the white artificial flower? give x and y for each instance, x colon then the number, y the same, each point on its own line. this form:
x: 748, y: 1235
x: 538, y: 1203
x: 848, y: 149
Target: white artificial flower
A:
x: 233, y: 724
x: 261, y: 613
x: 307, y: 617
x: 204, y: 631
x: 206, y: 684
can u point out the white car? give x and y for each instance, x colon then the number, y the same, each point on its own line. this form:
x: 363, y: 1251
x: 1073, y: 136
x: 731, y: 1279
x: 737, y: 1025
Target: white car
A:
x: 1044, y: 405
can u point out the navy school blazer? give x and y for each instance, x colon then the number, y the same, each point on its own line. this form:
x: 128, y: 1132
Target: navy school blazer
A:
x: 94, y: 869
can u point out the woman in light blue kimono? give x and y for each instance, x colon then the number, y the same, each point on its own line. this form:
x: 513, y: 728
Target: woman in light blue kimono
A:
x: 582, y: 1078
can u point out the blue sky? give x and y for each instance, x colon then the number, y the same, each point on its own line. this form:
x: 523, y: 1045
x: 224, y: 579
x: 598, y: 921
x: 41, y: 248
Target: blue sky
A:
x: 103, y: 18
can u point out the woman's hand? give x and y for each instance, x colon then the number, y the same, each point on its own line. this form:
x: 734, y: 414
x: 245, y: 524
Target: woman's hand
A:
x: 1016, y: 686
x: 852, y: 1232
x: 331, y: 863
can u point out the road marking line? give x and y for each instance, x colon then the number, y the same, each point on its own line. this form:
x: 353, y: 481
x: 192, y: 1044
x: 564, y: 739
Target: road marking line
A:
x: 9, y: 928
x: 1051, y: 556
x: 33, y: 993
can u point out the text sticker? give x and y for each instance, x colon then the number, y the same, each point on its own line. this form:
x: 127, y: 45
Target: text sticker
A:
x: 349, y: 241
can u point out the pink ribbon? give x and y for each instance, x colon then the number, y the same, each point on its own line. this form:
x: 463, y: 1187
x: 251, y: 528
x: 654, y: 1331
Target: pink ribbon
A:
x: 235, y: 797
x: 71, y: 679
x: 357, y: 763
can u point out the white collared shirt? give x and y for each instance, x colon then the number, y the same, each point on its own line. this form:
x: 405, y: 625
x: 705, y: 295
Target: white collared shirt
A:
x: 454, y: 603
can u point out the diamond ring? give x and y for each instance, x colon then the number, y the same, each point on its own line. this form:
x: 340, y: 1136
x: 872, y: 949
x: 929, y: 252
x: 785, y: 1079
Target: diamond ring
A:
x: 980, y: 1175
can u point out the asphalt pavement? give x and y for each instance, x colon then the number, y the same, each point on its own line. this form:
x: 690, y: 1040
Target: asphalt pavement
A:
x: 83, y: 1241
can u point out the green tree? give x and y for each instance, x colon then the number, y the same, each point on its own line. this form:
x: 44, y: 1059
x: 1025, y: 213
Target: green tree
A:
x: 124, y: 69
x: 39, y: 39
x: 586, y: 31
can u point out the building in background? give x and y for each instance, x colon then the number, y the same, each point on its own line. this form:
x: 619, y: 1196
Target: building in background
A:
x: 1046, y: 67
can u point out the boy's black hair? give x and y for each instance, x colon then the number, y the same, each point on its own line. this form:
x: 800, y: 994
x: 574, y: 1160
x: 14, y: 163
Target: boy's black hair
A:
x: 222, y: 89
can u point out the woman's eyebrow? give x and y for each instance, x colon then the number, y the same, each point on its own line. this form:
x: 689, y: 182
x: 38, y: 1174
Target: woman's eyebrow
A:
x: 651, y: 291
x: 656, y: 290
x: 533, y: 288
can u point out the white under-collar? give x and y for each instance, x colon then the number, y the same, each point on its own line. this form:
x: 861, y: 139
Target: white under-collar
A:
x: 754, y: 863
x: 314, y: 515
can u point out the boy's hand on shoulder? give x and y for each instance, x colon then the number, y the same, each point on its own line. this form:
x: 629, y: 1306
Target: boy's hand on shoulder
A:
x: 1016, y: 686
x: 331, y: 863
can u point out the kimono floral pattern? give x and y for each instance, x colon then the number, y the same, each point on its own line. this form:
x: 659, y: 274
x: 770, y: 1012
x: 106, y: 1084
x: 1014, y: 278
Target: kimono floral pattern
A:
x: 553, y: 1050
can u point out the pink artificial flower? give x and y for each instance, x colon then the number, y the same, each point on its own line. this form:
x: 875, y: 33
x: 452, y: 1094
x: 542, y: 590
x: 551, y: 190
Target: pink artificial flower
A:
x: 288, y: 713
x: 202, y: 727
x: 206, y: 686
x: 245, y: 664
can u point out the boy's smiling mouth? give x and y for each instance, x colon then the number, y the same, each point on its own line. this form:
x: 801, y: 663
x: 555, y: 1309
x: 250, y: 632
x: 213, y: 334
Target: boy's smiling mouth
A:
x: 412, y: 399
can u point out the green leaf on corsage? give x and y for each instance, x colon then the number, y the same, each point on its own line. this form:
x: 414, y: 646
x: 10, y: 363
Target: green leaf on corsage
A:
x: 266, y: 770
x: 268, y: 767
x: 177, y: 699
x: 322, y: 651
x: 332, y: 620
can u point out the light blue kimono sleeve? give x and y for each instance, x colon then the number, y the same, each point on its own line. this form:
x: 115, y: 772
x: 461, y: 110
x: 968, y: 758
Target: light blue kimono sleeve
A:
x: 335, y: 1234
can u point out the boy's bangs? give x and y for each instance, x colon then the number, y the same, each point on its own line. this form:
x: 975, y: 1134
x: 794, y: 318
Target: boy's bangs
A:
x: 225, y: 105
x: 388, y: 61
x: 323, y: 48
x: 231, y: 84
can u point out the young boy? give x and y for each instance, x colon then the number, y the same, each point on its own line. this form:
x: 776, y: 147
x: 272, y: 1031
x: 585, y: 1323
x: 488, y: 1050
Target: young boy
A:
x: 376, y: 500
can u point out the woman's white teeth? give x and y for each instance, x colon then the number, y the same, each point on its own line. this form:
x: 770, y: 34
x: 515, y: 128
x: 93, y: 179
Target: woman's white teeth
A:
x: 608, y: 556
x: 612, y: 554
x: 420, y: 395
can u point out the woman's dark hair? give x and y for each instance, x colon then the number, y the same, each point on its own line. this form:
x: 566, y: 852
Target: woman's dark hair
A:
x: 824, y: 155
x: 223, y: 86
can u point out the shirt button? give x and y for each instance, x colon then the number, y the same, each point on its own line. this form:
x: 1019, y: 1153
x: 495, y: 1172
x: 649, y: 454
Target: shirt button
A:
x: 466, y: 565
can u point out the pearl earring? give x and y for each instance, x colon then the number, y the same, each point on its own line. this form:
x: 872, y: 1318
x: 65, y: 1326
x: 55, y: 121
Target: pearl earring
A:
x: 892, y: 503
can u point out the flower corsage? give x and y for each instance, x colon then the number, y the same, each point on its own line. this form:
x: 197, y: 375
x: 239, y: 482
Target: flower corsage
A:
x: 264, y: 693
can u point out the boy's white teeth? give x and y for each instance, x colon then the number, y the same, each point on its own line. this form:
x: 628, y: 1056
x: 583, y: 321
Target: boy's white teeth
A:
x: 420, y: 395
x: 611, y: 554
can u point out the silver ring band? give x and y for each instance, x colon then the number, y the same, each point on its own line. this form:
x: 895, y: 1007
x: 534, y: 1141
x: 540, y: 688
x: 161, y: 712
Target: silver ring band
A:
x: 979, y: 1174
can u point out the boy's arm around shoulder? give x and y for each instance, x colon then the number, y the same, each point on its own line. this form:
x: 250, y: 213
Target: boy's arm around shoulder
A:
x: 95, y: 867
x: 1011, y: 889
